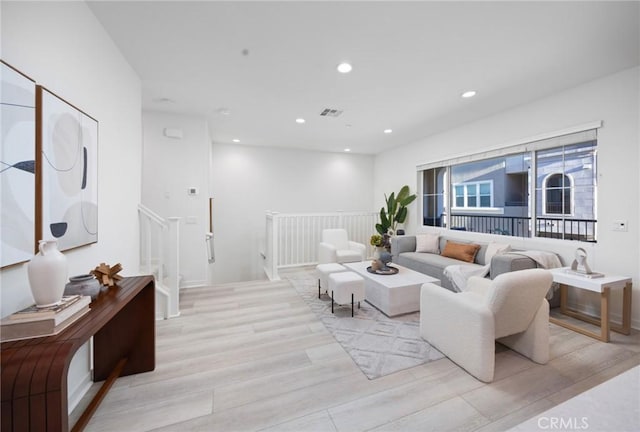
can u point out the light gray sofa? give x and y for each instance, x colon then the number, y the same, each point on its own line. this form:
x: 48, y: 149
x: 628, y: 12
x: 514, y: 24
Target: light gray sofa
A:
x: 404, y: 254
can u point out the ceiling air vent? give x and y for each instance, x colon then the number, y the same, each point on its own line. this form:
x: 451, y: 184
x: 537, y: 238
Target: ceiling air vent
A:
x: 330, y: 112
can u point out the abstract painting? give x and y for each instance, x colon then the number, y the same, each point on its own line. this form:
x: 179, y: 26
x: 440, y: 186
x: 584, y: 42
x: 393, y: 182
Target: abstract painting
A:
x: 17, y: 166
x: 68, y: 163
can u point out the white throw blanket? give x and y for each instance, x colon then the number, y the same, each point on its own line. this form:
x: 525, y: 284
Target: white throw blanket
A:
x: 458, y: 274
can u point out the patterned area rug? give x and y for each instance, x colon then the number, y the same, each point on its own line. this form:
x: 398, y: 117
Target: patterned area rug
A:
x: 379, y: 345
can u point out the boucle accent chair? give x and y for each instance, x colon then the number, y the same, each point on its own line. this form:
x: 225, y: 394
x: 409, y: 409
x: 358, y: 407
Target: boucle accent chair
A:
x: 337, y: 248
x: 512, y: 309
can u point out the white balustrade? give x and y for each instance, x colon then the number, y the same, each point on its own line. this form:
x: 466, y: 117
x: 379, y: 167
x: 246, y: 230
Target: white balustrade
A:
x: 159, y: 256
x: 292, y: 239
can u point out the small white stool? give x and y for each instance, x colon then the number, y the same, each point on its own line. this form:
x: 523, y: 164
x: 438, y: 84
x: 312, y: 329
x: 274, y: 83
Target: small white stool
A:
x: 345, y: 286
x: 323, y: 271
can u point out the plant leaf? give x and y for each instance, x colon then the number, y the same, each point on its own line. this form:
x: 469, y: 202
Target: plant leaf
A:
x: 404, y: 192
x: 384, y: 220
x: 402, y: 215
x: 407, y: 200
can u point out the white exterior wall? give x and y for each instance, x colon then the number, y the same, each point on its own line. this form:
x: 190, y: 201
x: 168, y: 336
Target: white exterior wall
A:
x: 615, y: 101
x: 248, y: 181
x: 62, y: 46
x: 170, y: 166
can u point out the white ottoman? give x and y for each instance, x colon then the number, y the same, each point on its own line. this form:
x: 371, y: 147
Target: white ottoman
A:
x: 345, y: 287
x: 323, y: 271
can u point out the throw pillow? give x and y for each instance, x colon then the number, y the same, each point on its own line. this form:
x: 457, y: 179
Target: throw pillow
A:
x: 495, y: 249
x: 428, y: 243
x: 461, y: 251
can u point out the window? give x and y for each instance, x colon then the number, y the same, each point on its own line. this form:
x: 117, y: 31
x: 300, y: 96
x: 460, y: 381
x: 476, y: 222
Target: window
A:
x: 544, y: 188
x: 557, y: 194
x: 473, y: 195
x: 433, y: 197
x: 566, y: 191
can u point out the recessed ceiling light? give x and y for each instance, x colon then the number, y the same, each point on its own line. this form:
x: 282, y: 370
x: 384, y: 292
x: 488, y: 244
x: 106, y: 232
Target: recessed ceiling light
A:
x: 224, y: 111
x: 387, y: 131
x: 468, y: 94
x: 344, y: 68
x: 347, y: 149
x: 235, y: 140
x: 300, y: 120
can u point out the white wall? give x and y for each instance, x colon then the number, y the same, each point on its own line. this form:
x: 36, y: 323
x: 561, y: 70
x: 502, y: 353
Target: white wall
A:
x: 247, y: 181
x: 171, y: 166
x: 615, y: 101
x: 63, y: 47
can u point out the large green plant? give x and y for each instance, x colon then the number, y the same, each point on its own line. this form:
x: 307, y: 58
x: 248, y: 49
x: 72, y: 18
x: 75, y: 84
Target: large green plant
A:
x: 396, y: 211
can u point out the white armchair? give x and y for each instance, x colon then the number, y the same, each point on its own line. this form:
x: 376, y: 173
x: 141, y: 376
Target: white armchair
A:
x: 337, y: 248
x: 512, y: 309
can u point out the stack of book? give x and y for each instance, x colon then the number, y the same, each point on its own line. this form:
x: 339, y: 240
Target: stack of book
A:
x: 36, y: 321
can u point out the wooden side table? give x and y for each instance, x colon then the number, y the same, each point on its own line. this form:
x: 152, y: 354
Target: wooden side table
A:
x: 602, y: 285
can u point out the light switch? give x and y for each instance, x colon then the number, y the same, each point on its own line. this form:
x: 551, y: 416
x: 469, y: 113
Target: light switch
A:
x: 620, y: 225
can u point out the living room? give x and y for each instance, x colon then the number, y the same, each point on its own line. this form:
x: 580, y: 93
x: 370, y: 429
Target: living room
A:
x: 63, y: 46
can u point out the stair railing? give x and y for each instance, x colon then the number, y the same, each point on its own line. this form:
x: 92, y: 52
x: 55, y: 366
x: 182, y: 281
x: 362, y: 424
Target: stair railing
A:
x: 159, y: 256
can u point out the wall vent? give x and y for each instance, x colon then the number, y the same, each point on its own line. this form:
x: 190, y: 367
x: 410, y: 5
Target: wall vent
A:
x: 330, y: 112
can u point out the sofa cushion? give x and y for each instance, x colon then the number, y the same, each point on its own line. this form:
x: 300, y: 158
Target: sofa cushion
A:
x: 461, y: 251
x: 429, y: 264
x: 493, y: 249
x: 428, y: 243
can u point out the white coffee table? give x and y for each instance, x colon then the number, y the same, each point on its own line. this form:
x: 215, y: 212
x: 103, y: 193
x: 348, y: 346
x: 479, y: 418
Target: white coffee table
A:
x: 392, y: 294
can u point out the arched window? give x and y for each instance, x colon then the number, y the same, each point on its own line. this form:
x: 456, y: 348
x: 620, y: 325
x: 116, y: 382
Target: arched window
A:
x: 557, y: 194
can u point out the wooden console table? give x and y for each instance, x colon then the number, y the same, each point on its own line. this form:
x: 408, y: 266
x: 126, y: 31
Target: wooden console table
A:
x: 34, y: 371
x: 603, y: 286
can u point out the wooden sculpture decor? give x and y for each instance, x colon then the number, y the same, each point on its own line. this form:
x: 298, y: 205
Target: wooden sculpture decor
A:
x: 106, y: 274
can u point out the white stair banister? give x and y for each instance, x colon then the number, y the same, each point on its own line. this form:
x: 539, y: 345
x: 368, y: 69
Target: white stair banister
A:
x: 159, y: 255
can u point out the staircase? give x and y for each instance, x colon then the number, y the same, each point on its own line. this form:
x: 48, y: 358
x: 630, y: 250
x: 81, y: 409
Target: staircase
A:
x: 159, y: 256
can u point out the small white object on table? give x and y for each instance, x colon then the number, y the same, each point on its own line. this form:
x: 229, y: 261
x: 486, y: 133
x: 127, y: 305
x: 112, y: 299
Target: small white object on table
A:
x: 603, y: 285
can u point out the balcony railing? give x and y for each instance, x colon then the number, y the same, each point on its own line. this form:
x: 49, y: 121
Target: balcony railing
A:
x: 292, y: 239
x: 567, y: 229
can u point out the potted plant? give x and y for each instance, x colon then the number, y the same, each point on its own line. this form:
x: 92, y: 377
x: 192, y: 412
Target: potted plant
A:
x: 379, y: 243
x: 395, y: 212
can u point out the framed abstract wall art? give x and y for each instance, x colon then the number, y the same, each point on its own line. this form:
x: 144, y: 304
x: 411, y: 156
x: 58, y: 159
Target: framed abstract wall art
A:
x: 67, y: 148
x: 17, y: 166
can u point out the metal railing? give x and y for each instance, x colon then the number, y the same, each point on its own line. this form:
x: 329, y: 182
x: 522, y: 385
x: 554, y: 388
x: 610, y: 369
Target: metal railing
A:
x: 560, y: 228
x: 292, y: 238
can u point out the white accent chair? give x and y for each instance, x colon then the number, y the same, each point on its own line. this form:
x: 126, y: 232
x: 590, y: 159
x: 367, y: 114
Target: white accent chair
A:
x: 337, y: 248
x: 464, y: 326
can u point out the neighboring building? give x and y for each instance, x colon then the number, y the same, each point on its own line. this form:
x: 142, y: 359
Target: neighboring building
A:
x: 492, y: 195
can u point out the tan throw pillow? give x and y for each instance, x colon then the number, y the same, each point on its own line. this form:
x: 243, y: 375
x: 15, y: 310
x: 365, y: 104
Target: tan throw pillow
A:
x: 461, y: 251
x: 428, y: 243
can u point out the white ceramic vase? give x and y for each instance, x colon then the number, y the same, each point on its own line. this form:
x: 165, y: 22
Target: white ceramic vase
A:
x: 47, y: 274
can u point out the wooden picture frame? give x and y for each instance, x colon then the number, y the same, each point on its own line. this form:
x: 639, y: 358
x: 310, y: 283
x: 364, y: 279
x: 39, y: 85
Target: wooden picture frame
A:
x: 17, y: 166
x: 67, y: 164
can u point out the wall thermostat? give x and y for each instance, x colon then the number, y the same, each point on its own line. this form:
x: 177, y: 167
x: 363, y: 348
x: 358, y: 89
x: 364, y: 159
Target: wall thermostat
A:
x: 192, y: 191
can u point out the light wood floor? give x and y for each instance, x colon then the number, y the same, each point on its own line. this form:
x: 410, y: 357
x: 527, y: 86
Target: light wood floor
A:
x: 252, y: 356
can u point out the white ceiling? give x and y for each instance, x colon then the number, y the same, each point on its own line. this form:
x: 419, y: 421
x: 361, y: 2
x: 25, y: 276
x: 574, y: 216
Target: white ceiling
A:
x: 411, y: 61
